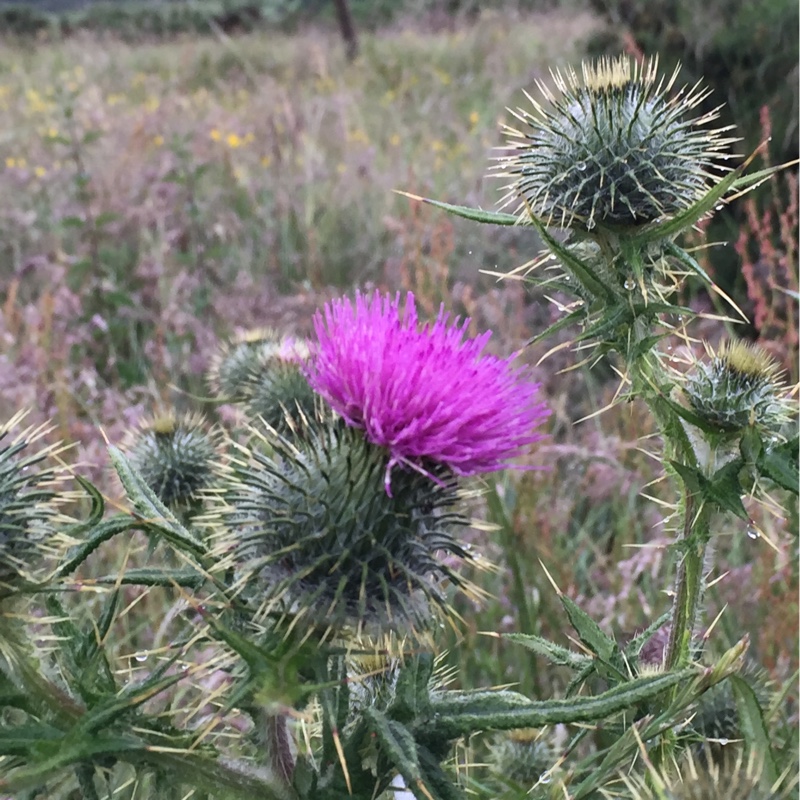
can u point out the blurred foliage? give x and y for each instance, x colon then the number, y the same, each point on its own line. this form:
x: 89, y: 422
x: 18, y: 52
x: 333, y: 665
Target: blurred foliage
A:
x: 147, y: 19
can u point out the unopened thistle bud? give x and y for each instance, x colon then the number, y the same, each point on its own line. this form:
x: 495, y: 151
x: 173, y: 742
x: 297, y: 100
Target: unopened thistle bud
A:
x: 525, y: 757
x: 28, y: 504
x: 739, y: 777
x: 239, y: 364
x: 177, y: 455
x: 614, y: 150
x: 739, y: 387
x: 311, y: 532
x: 716, y: 718
x: 265, y: 372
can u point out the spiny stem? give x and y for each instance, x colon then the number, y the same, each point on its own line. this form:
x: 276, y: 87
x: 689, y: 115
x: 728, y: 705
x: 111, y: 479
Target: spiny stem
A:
x: 689, y: 585
x: 279, y: 749
x: 649, y: 377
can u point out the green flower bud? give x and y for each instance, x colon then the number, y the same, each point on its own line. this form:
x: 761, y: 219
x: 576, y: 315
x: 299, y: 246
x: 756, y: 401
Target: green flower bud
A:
x: 311, y: 531
x: 281, y: 397
x: 28, y: 505
x: 739, y: 387
x: 525, y: 757
x: 239, y: 366
x: 738, y: 777
x: 716, y: 716
x: 177, y: 455
x: 612, y: 151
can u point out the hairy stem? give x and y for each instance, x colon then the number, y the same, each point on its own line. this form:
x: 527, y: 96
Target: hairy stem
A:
x: 689, y: 585
x: 651, y: 382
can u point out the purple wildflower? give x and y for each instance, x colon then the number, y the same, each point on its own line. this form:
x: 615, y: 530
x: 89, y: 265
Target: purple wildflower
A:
x: 424, y: 393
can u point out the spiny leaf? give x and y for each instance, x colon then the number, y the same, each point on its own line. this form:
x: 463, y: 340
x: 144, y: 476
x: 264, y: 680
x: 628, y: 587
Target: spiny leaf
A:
x: 397, y: 744
x: 472, y: 712
x: 754, y: 731
x: 780, y: 464
x: 102, y: 533
x: 588, y: 630
x: 412, y: 692
x: 550, y: 650
x: 154, y: 513
x: 473, y: 214
x: 581, y: 271
x: 723, y: 490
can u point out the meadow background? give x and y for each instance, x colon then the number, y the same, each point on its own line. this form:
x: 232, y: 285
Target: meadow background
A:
x: 160, y: 191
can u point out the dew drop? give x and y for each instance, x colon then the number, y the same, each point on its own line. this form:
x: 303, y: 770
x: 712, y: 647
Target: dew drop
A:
x: 545, y: 777
x: 722, y: 741
x: 752, y: 531
x: 590, y: 224
x: 629, y: 284
x: 581, y: 165
x: 141, y: 657
x: 719, y: 207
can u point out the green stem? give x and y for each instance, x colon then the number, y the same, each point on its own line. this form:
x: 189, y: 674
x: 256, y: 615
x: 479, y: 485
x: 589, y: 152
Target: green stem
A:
x: 689, y: 585
x: 651, y: 383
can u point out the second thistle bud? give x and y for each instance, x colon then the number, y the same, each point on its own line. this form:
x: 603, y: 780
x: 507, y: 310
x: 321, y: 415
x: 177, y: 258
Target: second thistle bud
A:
x: 739, y: 387
x: 177, y: 456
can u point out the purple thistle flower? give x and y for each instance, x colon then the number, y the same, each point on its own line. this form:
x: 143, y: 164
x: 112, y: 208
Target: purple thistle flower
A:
x: 424, y: 393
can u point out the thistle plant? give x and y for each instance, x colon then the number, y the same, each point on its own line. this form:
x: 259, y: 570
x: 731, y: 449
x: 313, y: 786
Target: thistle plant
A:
x: 316, y: 557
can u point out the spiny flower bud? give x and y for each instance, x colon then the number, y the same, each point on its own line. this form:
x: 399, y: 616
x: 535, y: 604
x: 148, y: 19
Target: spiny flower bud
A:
x: 525, y: 757
x: 716, y: 716
x: 738, y: 777
x: 281, y: 397
x: 28, y: 504
x: 611, y: 151
x: 311, y: 532
x: 739, y: 387
x: 177, y: 455
x: 239, y: 365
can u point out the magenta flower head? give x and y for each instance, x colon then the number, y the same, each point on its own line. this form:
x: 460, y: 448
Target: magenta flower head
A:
x: 426, y: 393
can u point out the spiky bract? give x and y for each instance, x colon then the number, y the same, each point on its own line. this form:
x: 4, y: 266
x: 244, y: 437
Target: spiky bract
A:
x: 241, y: 364
x: 426, y: 394
x: 738, y: 387
x: 311, y: 532
x: 176, y: 454
x: 281, y: 397
x: 28, y: 507
x: 716, y: 716
x: 522, y: 756
x: 738, y: 777
x: 611, y: 151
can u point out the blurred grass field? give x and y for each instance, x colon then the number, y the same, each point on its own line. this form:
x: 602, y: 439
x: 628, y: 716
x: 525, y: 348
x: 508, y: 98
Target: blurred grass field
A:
x: 156, y: 197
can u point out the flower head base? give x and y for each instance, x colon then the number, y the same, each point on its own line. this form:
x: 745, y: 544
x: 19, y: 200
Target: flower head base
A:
x: 28, y: 504
x: 739, y: 387
x: 426, y: 394
x: 239, y: 366
x: 311, y: 533
x: 177, y: 455
x: 613, y: 151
